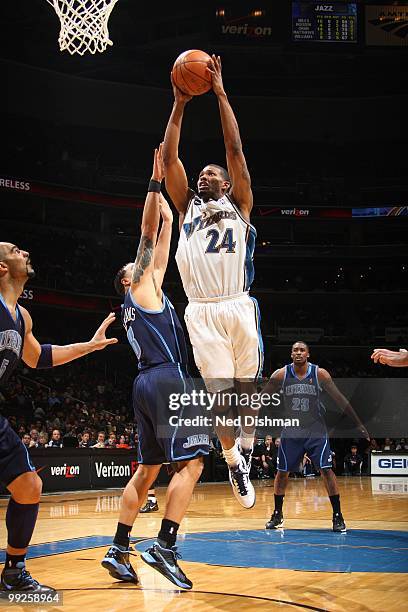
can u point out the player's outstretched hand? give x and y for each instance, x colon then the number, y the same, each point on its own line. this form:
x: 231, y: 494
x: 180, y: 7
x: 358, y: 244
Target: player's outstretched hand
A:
x: 215, y: 69
x: 179, y: 95
x: 99, y: 340
x: 396, y: 359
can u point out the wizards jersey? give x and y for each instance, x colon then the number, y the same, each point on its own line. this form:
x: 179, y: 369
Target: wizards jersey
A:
x: 215, y: 249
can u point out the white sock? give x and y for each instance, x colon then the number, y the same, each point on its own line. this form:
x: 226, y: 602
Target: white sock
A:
x: 246, y: 440
x: 232, y: 456
x: 152, y: 498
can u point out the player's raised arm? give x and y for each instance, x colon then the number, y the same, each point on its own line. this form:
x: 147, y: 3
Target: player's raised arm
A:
x: 161, y: 254
x: 143, y: 268
x: 237, y: 168
x: 395, y: 359
x: 328, y: 385
x: 42, y: 356
x: 176, y: 178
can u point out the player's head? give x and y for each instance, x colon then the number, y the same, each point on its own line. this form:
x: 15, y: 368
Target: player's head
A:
x: 300, y: 352
x: 15, y: 263
x: 213, y: 182
x: 123, y: 278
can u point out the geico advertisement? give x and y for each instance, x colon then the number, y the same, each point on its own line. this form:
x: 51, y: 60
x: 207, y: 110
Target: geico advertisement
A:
x: 62, y: 473
x: 112, y: 471
x: 394, y: 465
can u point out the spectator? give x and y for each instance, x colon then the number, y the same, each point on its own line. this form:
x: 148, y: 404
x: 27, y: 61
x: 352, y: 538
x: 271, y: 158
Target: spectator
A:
x: 26, y: 440
x: 388, y: 445
x: 268, y: 457
x: 42, y: 440
x: 111, y: 442
x: 34, y: 436
x: 55, y: 441
x: 85, y: 440
x: 352, y: 462
x: 402, y: 445
x: 100, y: 443
x: 122, y: 442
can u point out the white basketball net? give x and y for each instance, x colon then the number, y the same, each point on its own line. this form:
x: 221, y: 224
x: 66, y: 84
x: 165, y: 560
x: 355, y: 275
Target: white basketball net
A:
x: 84, y: 24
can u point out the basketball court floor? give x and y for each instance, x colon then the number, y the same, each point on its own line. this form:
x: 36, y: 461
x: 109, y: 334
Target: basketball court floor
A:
x: 232, y: 560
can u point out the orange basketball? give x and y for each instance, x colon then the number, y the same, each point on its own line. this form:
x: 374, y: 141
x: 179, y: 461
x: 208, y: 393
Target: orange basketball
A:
x: 190, y: 72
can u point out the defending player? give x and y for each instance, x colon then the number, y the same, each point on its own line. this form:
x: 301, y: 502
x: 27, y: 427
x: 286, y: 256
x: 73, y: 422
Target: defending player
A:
x: 155, y: 334
x: 17, y: 473
x: 215, y: 261
x: 300, y: 384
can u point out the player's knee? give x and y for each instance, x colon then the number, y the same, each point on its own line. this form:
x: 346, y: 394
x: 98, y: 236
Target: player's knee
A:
x: 28, y: 489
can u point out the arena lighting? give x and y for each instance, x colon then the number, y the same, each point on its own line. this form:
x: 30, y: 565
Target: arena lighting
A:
x: 220, y: 12
x: 258, y: 13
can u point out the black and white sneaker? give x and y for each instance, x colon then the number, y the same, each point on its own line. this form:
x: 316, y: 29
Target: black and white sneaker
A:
x: 149, y: 506
x: 241, y: 485
x: 116, y: 561
x: 339, y: 526
x: 19, y: 579
x: 164, y: 560
x: 276, y: 520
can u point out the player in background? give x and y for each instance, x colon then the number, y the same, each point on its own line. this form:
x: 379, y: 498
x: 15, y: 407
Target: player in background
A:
x: 17, y: 473
x: 156, y: 336
x: 395, y: 359
x: 215, y: 261
x: 151, y: 504
x: 300, y: 384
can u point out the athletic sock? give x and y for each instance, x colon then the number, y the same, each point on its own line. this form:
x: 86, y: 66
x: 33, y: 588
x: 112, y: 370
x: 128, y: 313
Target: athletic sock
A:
x: 122, y: 536
x: 278, y: 502
x: 12, y: 560
x: 20, y: 522
x: 335, y: 502
x: 232, y: 456
x: 246, y: 440
x: 152, y: 498
x: 168, y: 533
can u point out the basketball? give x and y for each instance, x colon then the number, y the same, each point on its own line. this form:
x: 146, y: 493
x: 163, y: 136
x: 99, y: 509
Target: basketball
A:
x: 190, y: 72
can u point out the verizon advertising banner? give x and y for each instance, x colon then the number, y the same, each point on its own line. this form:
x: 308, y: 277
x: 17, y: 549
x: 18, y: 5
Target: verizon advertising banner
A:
x: 107, y: 471
x: 60, y: 470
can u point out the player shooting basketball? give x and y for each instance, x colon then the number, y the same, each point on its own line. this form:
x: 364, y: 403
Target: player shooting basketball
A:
x: 215, y: 261
x: 17, y: 474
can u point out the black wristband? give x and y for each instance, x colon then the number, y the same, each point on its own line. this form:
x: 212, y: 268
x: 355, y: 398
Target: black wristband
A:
x: 154, y: 186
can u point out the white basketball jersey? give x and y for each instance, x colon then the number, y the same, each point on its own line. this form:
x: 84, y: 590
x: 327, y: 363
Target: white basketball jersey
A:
x: 215, y: 249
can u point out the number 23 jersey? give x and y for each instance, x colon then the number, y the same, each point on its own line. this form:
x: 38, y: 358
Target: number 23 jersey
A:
x: 215, y: 249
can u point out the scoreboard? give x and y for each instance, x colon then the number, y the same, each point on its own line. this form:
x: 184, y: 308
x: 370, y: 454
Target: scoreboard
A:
x: 318, y: 22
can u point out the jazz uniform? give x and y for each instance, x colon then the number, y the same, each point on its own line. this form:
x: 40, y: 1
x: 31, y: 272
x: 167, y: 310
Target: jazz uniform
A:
x: 301, y: 399
x: 215, y: 261
x: 158, y: 341
x: 14, y: 458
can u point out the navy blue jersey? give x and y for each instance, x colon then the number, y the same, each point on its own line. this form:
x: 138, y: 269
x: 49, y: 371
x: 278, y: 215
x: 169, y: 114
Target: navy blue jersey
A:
x: 11, y: 341
x: 156, y: 336
x: 302, y: 395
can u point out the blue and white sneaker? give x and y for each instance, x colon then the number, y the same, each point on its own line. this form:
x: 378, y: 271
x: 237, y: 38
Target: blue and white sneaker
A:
x: 164, y: 560
x: 116, y: 561
x: 241, y: 485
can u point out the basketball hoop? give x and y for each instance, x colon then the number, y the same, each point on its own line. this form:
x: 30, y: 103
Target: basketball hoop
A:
x: 84, y: 24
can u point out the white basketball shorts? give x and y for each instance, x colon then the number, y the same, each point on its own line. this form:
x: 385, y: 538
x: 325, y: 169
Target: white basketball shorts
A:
x: 226, y: 339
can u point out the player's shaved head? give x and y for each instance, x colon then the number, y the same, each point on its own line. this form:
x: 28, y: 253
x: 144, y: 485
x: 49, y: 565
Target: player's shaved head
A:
x: 5, y: 248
